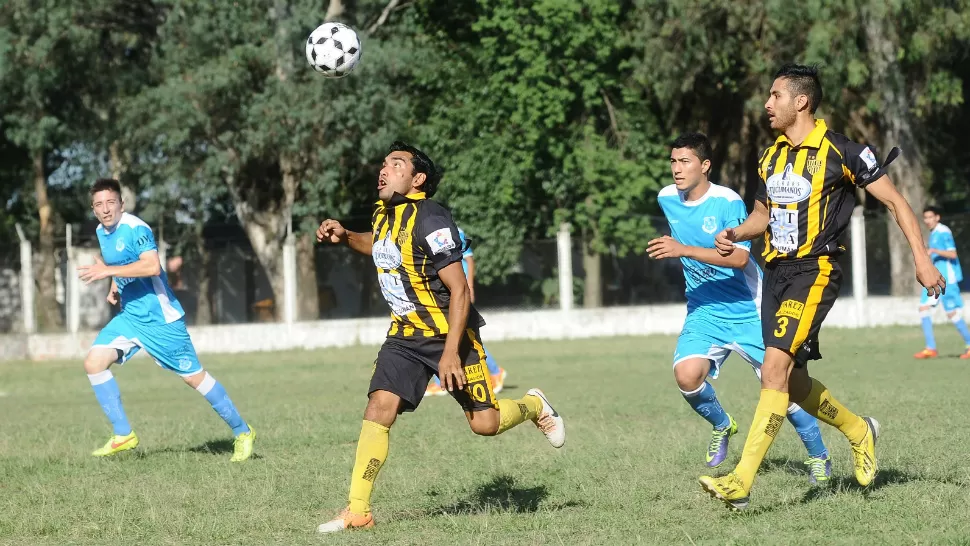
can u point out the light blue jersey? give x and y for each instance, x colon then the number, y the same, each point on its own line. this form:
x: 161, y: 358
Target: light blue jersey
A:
x: 466, y: 250
x: 714, y: 293
x: 941, y: 238
x: 146, y: 299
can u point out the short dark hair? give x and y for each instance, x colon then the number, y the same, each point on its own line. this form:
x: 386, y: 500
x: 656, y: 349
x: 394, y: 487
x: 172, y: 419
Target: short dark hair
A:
x: 803, y: 80
x: 102, y: 184
x: 934, y: 209
x: 420, y: 163
x: 696, y: 142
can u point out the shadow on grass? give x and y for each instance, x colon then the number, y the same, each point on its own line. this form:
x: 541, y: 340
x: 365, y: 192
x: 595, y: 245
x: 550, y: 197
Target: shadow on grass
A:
x: 502, y: 494
x: 222, y: 446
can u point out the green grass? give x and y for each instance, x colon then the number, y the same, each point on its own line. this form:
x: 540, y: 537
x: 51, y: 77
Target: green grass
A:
x: 628, y: 473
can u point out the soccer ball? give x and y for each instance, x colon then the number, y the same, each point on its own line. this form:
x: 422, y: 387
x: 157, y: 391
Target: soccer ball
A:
x: 333, y: 49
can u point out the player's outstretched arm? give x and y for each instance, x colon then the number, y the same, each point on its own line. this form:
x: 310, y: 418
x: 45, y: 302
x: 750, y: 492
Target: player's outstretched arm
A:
x: 450, y: 370
x: 331, y: 230
x: 926, y: 273
x: 668, y: 247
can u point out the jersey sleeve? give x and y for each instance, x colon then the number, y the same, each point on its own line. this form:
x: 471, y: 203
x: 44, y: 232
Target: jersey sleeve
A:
x: 860, y: 163
x: 142, y: 240
x: 947, y: 242
x: 466, y: 245
x: 438, y: 238
x: 735, y: 215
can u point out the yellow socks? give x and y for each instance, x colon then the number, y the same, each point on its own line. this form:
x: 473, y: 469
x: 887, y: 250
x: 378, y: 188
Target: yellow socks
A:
x: 371, y: 454
x: 827, y: 409
x: 515, y: 412
x: 768, y: 418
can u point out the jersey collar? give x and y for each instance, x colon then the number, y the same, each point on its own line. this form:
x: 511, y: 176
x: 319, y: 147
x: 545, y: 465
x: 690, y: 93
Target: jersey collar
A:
x: 397, y: 199
x: 813, y: 140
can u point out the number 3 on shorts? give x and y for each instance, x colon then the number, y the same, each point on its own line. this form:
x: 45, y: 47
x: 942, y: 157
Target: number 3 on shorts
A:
x: 782, y: 327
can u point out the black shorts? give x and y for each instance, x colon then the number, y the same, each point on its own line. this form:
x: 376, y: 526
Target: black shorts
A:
x: 797, y: 296
x: 404, y: 366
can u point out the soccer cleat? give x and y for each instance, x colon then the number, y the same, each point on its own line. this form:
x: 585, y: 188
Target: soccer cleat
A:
x: 498, y: 380
x: 819, y: 469
x: 242, y: 446
x: 347, y: 520
x: 928, y: 353
x: 717, y: 451
x: 864, y: 454
x: 117, y: 444
x: 966, y: 354
x: 727, y: 489
x: 549, y: 421
x: 435, y: 389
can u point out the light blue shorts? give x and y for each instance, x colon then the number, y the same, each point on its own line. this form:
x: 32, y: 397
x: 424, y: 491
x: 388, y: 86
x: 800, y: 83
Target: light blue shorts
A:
x: 702, y: 338
x: 951, y: 300
x: 169, y: 344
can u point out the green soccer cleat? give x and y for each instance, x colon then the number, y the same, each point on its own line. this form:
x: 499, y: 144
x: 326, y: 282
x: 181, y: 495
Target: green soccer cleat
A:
x: 117, y: 444
x: 242, y: 447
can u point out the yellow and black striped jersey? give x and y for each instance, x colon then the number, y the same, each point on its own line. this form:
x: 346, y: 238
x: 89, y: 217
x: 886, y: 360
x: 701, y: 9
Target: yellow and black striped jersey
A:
x: 809, y: 192
x: 414, y: 238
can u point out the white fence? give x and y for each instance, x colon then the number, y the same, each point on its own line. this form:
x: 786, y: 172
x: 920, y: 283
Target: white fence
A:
x: 859, y: 310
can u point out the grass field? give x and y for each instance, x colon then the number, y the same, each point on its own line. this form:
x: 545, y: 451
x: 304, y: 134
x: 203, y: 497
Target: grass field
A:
x: 628, y: 473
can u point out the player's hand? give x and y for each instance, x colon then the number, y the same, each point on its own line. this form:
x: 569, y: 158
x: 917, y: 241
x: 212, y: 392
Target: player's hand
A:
x: 930, y: 277
x: 96, y: 272
x: 724, y: 241
x: 450, y: 372
x: 331, y: 230
x: 112, y: 297
x: 665, y: 247
x: 471, y: 292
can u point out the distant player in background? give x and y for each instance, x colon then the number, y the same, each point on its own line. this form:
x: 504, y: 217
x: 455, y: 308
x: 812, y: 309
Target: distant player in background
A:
x: 943, y: 250
x: 723, y: 298
x: 151, y: 318
x: 498, y: 374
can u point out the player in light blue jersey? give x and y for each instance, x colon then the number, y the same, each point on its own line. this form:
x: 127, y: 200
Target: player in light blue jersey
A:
x: 151, y: 319
x: 723, y: 297
x: 943, y: 250
x: 498, y: 373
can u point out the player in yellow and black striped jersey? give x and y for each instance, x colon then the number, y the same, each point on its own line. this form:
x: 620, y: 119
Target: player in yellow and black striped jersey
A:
x: 434, y: 328
x: 807, y: 194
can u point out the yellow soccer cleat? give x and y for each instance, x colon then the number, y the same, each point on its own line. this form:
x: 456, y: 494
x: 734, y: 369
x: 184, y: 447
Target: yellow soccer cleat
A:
x: 347, y: 521
x: 727, y: 489
x: 117, y: 444
x: 242, y: 447
x: 864, y: 454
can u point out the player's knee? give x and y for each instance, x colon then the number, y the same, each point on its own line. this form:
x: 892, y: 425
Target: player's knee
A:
x: 195, y: 379
x: 690, y: 374
x: 382, y: 408
x: 484, y: 423
x: 98, y: 361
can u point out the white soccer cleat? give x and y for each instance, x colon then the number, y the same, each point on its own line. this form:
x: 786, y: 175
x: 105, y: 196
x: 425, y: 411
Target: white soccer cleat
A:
x: 549, y: 421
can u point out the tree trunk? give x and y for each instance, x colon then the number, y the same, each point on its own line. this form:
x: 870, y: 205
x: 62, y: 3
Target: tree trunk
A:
x: 593, y: 282
x: 50, y: 310
x: 334, y: 9
x: 308, y: 303
x: 203, y: 311
x: 894, y: 122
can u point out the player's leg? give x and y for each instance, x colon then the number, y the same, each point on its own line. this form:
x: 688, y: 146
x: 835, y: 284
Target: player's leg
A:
x: 490, y: 417
x: 172, y: 348
x: 926, y: 305
x: 750, y: 347
x: 113, y: 344
x: 397, y: 386
x: 691, y: 373
x: 953, y: 304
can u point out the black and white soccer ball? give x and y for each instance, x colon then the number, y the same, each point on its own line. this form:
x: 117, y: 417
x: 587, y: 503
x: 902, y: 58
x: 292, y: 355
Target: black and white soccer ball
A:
x: 333, y: 49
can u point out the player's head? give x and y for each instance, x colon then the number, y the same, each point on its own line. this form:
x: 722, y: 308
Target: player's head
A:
x: 795, y: 92
x: 407, y: 170
x: 690, y: 160
x: 931, y: 216
x: 106, y: 201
